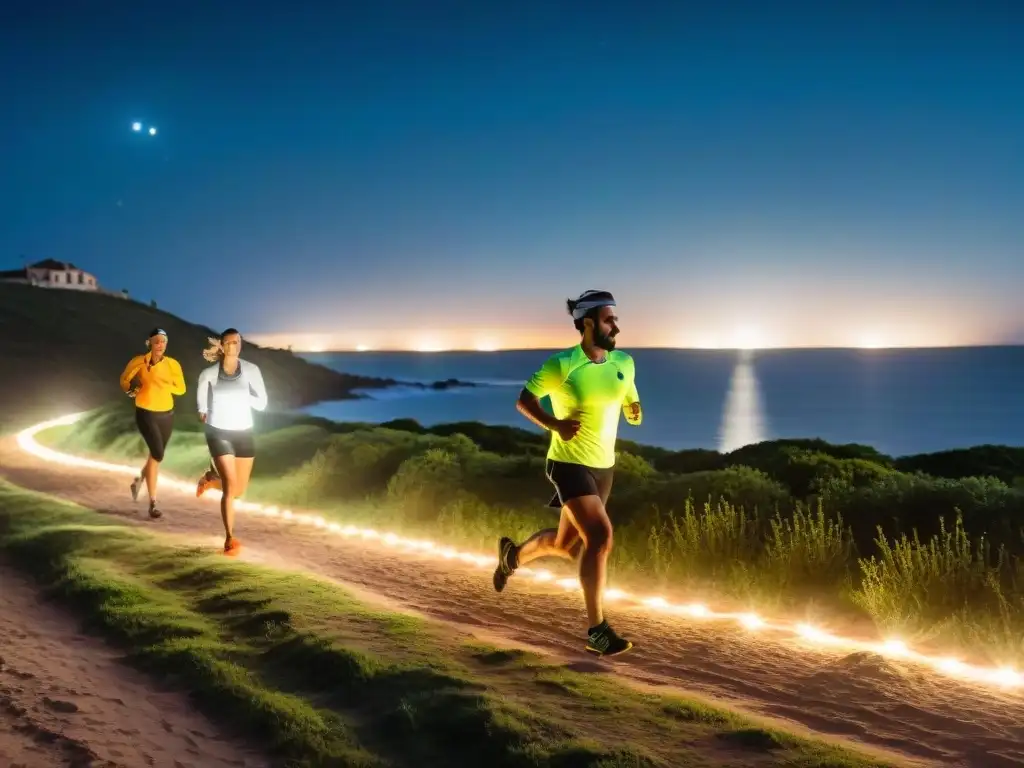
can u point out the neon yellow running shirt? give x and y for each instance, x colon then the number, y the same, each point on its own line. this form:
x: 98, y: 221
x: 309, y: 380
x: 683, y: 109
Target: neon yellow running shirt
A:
x: 594, y: 394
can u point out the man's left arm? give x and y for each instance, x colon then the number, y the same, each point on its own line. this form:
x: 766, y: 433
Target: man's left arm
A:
x: 631, y: 404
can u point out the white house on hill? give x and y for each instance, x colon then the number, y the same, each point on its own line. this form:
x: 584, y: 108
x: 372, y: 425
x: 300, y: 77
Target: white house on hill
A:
x: 51, y: 273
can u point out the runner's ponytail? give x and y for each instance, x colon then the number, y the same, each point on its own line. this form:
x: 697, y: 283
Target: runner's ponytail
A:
x: 215, y: 352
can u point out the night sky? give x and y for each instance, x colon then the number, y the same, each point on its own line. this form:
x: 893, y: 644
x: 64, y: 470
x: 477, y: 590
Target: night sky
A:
x: 435, y: 174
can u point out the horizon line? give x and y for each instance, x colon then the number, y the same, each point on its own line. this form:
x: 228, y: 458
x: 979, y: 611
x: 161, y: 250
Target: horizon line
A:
x: 809, y: 348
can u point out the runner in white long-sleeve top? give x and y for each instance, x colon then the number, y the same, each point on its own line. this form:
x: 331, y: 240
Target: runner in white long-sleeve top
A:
x: 227, y: 394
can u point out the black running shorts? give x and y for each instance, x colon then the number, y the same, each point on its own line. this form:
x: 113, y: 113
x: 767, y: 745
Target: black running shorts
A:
x: 156, y: 428
x: 230, y: 442
x: 572, y: 481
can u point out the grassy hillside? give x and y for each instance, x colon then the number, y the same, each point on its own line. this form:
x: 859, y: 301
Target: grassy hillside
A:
x: 315, y: 677
x: 64, y: 350
x: 785, y: 525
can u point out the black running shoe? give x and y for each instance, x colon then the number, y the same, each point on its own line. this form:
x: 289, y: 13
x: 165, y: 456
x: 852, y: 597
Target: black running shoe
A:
x: 506, y: 563
x: 136, y: 487
x: 603, y: 641
x: 154, y: 510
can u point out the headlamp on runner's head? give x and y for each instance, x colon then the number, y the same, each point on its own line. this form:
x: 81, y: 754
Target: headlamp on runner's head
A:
x: 589, y: 300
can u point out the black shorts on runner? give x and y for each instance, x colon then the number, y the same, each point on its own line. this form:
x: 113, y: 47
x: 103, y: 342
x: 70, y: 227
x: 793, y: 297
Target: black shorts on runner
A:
x: 156, y: 428
x: 574, y: 480
x: 230, y: 442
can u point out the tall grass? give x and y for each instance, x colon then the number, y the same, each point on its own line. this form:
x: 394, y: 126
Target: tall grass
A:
x: 951, y: 587
x: 808, y: 547
x: 747, y: 557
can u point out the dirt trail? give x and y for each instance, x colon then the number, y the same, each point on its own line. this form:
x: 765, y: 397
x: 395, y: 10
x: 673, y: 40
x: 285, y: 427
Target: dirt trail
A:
x: 879, y: 704
x: 67, y: 700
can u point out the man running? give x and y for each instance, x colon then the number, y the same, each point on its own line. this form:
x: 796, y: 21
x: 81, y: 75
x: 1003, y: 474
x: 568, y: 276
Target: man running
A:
x: 153, y: 380
x: 589, y: 386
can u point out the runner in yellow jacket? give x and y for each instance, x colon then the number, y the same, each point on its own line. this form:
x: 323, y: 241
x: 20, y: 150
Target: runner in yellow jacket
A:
x: 153, y: 379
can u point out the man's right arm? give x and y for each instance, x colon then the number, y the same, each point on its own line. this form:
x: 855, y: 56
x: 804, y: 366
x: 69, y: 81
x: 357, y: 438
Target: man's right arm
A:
x: 546, y: 380
x: 529, y: 405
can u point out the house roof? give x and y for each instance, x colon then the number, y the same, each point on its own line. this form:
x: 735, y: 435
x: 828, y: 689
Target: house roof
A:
x: 53, y: 264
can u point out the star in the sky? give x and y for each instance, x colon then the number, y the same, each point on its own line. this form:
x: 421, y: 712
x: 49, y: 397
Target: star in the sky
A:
x: 137, y: 127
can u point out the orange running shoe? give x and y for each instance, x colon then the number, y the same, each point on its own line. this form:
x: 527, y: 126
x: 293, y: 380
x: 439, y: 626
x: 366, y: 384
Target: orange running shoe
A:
x: 232, y: 546
x: 206, y: 482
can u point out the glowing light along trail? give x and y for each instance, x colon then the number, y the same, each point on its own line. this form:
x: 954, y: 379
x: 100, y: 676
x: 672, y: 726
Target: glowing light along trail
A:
x: 1003, y: 677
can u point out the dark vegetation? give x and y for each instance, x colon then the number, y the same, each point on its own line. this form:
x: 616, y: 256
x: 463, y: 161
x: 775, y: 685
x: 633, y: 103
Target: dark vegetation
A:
x: 788, y: 524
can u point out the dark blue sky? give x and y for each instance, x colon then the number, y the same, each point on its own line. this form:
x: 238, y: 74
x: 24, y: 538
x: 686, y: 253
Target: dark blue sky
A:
x: 435, y: 173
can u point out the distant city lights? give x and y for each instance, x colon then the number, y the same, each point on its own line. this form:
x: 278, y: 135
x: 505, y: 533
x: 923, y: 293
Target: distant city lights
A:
x: 753, y: 334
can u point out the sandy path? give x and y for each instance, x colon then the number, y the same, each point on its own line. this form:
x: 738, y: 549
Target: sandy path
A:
x: 900, y: 709
x: 67, y: 700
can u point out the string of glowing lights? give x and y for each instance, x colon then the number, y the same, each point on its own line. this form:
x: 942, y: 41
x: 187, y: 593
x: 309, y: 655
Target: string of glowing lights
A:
x: 999, y: 677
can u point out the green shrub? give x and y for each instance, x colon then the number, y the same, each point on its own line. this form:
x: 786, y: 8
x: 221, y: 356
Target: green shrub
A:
x: 899, y: 503
x: 746, y: 488
x: 1000, y: 461
x: 425, y: 483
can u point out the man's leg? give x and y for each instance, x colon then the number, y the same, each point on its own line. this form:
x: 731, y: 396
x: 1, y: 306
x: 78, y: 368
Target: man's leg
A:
x: 563, y: 541
x: 595, y: 529
x: 591, y: 519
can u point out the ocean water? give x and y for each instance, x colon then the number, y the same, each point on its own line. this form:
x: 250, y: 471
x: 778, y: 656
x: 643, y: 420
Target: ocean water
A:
x: 900, y: 401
